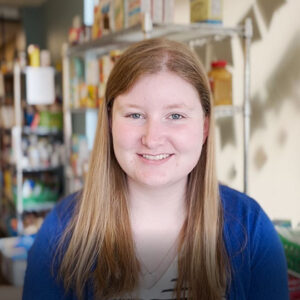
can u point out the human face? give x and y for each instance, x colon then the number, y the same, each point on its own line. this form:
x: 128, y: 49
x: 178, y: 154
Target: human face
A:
x: 158, y: 129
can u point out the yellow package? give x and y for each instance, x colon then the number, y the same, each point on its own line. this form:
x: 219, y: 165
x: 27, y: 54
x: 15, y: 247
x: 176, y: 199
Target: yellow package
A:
x: 209, y: 11
x: 96, y: 28
x: 92, y: 96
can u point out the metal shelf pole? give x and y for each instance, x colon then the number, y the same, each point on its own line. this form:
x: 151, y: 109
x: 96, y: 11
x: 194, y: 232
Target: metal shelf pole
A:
x: 67, y: 114
x: 17, y: 135
x: 247, y: 108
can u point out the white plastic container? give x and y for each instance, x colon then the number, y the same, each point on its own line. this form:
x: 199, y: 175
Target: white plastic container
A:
x: 13, y: 261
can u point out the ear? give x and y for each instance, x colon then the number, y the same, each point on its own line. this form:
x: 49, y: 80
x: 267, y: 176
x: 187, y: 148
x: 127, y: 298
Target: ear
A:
x: 205, y: 128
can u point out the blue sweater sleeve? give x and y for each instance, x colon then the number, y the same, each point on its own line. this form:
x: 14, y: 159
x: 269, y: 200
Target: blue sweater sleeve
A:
x: 39, y: 281
x: 268, y: 263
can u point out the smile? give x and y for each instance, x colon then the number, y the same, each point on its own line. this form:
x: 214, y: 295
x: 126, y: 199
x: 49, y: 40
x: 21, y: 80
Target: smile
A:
x: 156, y: 157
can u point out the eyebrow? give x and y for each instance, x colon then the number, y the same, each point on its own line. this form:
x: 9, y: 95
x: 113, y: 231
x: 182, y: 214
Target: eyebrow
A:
x: 178, y: 105
x: 171, y: 106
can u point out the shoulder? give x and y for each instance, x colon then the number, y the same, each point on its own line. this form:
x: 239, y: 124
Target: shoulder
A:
x: 243, y: 216
x: 253, y: 247
x: 233, y: 200
x: 241, y: 211
x: 55, y: 223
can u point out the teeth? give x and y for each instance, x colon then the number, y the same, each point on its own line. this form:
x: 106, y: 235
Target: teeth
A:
x: 156, y: 157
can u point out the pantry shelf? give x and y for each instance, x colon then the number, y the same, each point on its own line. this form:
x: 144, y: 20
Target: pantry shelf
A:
x: 39, y: 207
x: 223, y: 111
x: 41, y: 131
x: 134, y: 34
x: 41, y: 169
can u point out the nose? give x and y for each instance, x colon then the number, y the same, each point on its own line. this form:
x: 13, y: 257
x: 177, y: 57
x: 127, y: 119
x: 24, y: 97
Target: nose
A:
x: 154, y: 134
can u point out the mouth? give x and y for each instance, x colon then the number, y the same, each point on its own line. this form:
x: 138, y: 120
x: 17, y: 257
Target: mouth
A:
x: 156, y: 157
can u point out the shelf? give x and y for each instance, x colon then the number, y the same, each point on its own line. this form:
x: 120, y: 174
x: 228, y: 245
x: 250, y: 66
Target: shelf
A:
x: 134, y: 34
x: 42, y: 169
x: 223, y: 111
x: 38, y: 207
x: 41, y: 131
x: 35, y: 170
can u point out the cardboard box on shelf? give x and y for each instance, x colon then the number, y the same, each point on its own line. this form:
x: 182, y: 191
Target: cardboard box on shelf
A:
x: 118, y: 11
x: 161, y: 11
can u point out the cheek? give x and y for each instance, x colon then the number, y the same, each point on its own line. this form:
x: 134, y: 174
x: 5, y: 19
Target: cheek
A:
x: 123, y: 135
x: 190, y: 139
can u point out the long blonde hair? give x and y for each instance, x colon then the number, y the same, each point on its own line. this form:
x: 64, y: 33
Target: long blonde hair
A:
x: 98, y: 239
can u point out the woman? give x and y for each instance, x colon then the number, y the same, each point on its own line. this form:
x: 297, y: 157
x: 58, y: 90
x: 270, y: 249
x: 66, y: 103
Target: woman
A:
x: 152, y: 221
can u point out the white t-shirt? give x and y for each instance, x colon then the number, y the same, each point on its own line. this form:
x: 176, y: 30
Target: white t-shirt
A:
x: 162, y: 289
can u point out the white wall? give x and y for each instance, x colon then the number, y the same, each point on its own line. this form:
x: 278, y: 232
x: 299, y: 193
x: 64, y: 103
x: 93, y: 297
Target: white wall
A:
x: 274, y: 175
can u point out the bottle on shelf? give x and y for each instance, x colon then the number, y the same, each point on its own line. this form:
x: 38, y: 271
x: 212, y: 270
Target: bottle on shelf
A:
x: 221, y: 83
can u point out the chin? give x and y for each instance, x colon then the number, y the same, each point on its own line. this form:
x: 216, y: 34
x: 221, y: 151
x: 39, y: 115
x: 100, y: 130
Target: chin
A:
x: 155, y: 183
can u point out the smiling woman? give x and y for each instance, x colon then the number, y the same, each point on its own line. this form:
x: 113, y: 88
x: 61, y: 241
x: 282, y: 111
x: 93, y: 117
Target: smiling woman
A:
x: 152, y: 222
x: 145, y: 133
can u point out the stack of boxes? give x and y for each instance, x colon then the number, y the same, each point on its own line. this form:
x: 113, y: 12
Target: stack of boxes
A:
x: 110, y: 16
x: 116, y: 15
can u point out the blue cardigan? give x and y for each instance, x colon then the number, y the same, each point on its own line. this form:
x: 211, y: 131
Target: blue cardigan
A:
x: 255, y: 251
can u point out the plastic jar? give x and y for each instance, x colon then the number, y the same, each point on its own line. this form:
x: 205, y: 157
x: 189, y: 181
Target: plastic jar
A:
x: 221, y: 83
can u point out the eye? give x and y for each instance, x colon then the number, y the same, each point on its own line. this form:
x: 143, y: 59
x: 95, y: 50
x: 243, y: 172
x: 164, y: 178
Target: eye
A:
x: 176, y: 116
x: 135, y: 116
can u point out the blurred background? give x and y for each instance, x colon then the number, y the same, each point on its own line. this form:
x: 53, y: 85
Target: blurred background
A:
x: 55, y: 58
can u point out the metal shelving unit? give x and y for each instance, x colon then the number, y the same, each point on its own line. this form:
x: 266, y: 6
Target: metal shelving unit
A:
x: 185, y: 33
x: 194, y: 35
x: 19, y: 132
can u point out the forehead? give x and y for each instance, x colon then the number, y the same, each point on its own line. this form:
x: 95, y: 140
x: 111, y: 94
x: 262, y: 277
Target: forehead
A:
x: 164, y: 88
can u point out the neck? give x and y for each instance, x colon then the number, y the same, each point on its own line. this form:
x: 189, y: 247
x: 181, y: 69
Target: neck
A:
x: 157, y: 205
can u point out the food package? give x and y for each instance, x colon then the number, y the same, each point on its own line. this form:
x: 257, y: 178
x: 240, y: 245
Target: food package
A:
x: 209, y: 11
